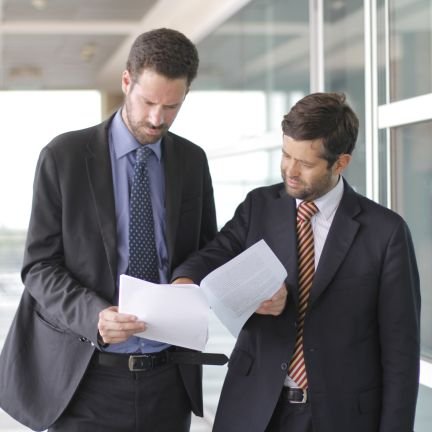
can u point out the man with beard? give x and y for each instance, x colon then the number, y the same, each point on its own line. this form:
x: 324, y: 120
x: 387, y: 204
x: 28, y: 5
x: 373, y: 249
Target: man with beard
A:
x: 70, y: 361
x: 344, y: 353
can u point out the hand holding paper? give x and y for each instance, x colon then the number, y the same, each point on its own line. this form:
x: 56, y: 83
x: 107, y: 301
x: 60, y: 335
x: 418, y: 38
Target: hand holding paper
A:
x: 178, y: 314
x: 276, y: 304
x: 236, y: 289
x: 115, y: 327
x: 175, y: 314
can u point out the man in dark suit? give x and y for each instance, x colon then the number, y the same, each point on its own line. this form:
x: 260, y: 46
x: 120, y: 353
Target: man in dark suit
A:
x: 66, y: 363
x: 357, y: 365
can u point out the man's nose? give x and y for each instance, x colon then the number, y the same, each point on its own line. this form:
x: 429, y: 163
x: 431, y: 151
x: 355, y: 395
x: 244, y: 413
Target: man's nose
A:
x: 291, y: 168
x: 156, y: 117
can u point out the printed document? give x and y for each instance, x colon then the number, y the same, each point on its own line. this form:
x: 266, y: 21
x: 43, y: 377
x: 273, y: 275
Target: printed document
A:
x: 235, y: 290
x: 175, y: 314
x: 178, y: 314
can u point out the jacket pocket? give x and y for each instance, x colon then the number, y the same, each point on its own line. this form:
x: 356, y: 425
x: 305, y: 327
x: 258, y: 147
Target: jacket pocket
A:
x: 241, y: 362
x: 47, y: 323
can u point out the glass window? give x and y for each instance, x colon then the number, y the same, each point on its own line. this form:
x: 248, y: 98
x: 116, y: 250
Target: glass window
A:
x: 412, y: 197
x: 382, y: 51
x: 255, y: 66
x: 410, y: 26
x: 344, y: 71
x: 264, y: 48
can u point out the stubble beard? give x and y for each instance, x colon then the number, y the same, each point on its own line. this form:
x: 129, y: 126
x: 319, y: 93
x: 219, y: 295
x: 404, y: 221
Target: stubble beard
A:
x: 137, y: 129
x: 142, y: 137
x: 309, y: 192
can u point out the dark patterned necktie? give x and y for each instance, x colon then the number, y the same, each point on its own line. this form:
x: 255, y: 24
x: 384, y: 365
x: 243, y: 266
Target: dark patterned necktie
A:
x: 306, y: 265
x: 143, y: 261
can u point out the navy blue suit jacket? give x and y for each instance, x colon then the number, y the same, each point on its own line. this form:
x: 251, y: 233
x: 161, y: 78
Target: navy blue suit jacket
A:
x: 361, y: 331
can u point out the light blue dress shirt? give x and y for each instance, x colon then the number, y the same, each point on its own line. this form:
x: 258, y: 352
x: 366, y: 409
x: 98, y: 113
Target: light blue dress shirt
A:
x: 123, y: 146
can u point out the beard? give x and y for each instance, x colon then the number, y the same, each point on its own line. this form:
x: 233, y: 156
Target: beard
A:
x: 310, y: 191
x: 138, y: 128
x: 138, y: 131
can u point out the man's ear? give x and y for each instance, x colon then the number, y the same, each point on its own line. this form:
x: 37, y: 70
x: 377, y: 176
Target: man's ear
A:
x: 342, y: 163
x: 126, y: 81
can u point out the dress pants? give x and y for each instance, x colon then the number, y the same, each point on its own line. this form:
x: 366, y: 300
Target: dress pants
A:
x: 111, y: 399
x: 291, y: 417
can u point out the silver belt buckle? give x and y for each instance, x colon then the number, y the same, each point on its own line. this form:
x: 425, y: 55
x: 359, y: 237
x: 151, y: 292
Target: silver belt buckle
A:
x: 304, y: 400
x: 140, y: 363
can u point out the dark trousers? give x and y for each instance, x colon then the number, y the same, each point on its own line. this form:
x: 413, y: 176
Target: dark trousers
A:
x: 117, y: 400
x: 290, y: 417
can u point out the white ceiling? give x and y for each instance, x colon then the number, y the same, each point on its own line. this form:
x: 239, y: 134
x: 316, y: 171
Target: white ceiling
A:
x: 83, y: 44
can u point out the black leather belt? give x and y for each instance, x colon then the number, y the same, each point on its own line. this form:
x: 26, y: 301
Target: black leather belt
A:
x: 146, y: 362
x: 294, y: 395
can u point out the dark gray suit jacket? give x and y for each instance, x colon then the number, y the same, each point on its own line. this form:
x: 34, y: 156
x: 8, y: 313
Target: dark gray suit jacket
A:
x: 70, y: 266
x: 361, y: 332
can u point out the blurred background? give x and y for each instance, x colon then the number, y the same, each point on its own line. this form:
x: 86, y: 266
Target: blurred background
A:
x: 60, y: 69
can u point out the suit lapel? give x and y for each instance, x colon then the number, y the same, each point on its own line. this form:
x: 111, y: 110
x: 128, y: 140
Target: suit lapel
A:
x: 339, y: 240
x: 173, y: 160
x: 101, y: 186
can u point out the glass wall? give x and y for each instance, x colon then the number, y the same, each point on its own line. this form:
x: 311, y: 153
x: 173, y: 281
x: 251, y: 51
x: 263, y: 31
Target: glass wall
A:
x: 410, y: 48
x: 344, y: 66
x: 405, y: 54
x: 412, y: 190
x: 259, y: 58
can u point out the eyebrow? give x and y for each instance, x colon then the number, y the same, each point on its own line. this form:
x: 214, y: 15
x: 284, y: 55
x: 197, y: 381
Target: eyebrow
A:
x: 300, y: 160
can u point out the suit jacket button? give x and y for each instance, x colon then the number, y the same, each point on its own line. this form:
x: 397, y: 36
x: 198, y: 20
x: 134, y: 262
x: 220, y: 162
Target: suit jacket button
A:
x: 284, y: 366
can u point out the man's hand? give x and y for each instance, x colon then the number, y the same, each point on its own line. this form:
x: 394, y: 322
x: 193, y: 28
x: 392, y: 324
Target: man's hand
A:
x: 116, y: 327
x: 183, y: 280
x: 276, y: 304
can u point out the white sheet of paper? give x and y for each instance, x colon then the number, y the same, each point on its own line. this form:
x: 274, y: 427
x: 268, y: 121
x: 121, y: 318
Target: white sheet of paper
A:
x: 236, y: 289
x: 175, y: 314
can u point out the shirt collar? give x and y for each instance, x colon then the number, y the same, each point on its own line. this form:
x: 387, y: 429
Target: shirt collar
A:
x: 328, y: 203
x: 124, y: 142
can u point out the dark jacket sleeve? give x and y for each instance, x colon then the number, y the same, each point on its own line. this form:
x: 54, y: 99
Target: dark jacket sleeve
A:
x: 60, y: 293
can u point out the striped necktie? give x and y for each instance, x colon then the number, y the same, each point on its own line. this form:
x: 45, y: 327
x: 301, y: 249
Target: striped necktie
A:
x: 306, y: 266
x: 143, y: 261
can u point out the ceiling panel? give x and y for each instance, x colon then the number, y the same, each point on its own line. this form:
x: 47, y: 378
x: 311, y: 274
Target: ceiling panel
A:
x: 55, y: 61
x: 75, y: 10
x: 62, y: 44
x: 83, y: 44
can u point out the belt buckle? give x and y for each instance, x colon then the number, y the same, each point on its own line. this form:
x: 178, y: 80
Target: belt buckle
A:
x: 304, y: 400
x: 140, y: 363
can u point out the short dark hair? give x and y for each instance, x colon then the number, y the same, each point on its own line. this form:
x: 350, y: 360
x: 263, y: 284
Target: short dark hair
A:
x: 324, y: 116
x: 165, y: 51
